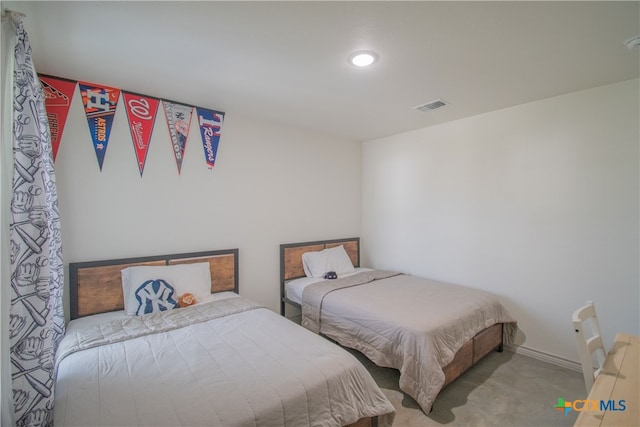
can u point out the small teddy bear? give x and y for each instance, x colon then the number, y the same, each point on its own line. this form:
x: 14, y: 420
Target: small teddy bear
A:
x: 185, y: 300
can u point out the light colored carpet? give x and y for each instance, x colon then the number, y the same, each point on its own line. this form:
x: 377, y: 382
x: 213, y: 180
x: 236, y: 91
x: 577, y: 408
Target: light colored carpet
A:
x: 504, y: 389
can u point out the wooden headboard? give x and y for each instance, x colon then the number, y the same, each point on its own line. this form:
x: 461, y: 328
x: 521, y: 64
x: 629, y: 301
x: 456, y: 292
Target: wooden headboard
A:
x: 291, y: 259
x: 96, y: 286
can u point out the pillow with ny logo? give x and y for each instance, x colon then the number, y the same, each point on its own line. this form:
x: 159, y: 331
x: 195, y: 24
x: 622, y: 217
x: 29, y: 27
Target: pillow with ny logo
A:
x: 194, y: 278
x: 155, y: 295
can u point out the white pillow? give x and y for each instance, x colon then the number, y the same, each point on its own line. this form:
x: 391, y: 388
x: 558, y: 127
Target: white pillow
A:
x: 317, y: 264
x: 194, y: 278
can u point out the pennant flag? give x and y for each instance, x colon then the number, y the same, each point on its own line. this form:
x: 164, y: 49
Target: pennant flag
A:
x: 141, y: 112
x: 210, y: 123
x: 179, y: 122
x: 58, y: 94
x: 100, y: 104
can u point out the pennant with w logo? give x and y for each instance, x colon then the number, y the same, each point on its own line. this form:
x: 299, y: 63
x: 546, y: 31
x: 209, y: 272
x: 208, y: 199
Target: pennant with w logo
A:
x: 100, y: 104
x: 141, y: 112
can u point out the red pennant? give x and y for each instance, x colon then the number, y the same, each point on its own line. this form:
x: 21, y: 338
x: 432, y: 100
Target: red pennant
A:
x: 141, y: 112
x: 58, y: 94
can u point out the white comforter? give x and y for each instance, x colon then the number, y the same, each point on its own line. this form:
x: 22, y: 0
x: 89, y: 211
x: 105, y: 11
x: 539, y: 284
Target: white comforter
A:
x: 223, y: 363
x: 411, y: 324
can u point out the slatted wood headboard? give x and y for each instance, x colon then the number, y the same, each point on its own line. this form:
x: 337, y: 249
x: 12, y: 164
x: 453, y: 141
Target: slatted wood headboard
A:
x: 96, y: 286
x: 291, y: 259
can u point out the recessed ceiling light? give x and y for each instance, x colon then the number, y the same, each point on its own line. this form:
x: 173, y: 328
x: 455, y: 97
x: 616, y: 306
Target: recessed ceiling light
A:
x: 363, y: 58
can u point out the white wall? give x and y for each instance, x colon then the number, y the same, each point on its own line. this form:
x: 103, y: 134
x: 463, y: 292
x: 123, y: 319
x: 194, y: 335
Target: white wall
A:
x: 267, y: 188
x: 537, y: 204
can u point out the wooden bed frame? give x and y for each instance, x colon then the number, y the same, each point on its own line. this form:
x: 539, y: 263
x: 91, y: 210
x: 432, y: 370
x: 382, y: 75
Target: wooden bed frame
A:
x: 96, y: 286
x: 291, y: 268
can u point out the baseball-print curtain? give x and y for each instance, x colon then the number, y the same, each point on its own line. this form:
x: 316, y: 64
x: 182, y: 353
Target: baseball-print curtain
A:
x: 35, y: 267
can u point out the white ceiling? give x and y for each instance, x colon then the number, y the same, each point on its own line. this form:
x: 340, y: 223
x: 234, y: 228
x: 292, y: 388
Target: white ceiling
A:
x: 287, y: 61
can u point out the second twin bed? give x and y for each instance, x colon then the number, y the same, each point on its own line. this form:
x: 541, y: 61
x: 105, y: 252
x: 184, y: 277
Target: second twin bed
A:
x: 430, y: 331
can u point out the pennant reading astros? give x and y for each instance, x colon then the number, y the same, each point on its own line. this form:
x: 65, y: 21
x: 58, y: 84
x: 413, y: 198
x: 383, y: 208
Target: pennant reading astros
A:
x: 58, y: 94
x: 141, y: 112
x: 100, y: 104
x: 210, y: 123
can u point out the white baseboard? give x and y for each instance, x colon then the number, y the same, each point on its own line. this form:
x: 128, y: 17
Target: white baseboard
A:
x: 545, y: 357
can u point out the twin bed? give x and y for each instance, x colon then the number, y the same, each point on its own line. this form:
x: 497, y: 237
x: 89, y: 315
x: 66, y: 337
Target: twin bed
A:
x: 430, y: 331
x: 223, y: 362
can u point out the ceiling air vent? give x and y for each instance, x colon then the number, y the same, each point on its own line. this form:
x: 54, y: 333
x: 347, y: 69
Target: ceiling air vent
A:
x: 433, y: 105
